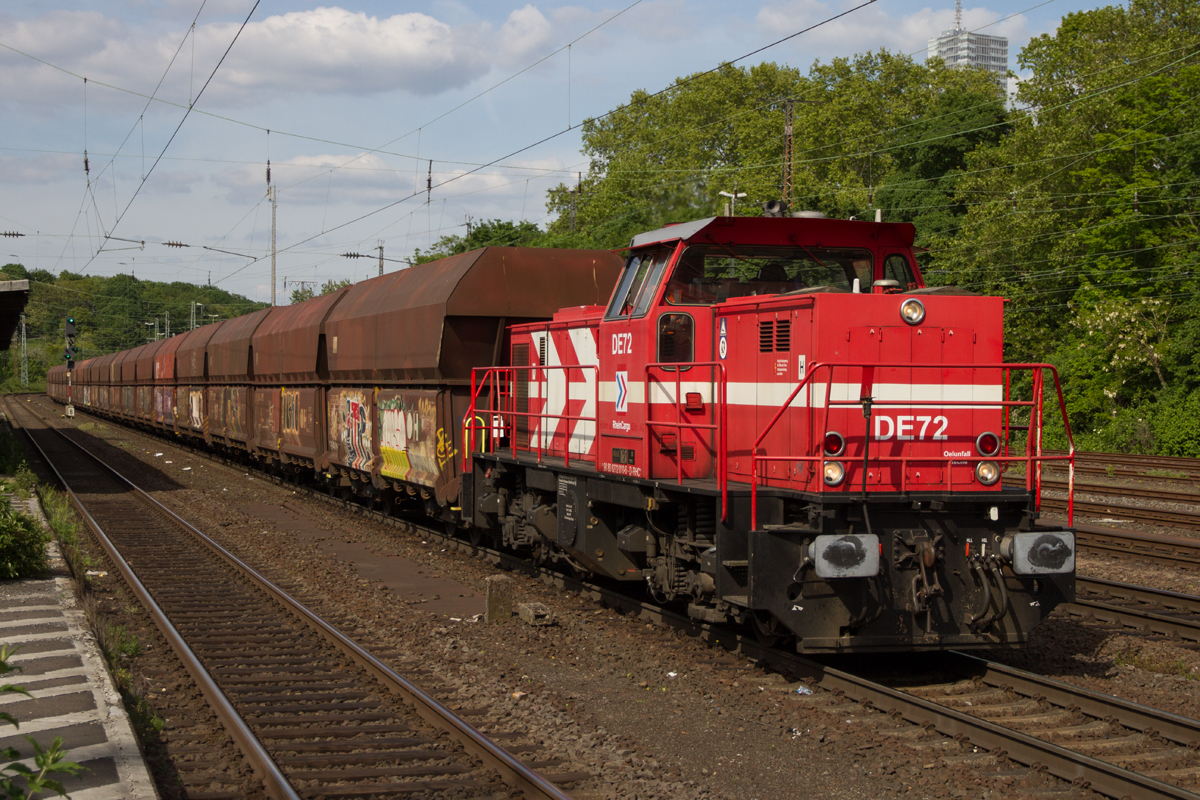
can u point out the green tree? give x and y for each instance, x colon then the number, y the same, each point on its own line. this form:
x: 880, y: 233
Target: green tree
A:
x: 492, y: 233
x: 330, y: 286
x: 1083, y: 215
x: 664, y: 158
x: 301, y: 294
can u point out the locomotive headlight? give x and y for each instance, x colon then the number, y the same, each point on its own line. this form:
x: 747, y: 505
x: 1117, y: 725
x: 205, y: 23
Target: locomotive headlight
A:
x: 834, y: 443
x: 1039, y: 552
x: 852, y: 555
x: 987, y: 472
x: 987, y: 444
x: 912, y: 311
x: 835, y: 473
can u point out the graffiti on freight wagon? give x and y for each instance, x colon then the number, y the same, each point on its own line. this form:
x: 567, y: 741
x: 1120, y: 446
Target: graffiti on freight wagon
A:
x: 196, y: 408
x: 350, y: 427
x: 408, y: 436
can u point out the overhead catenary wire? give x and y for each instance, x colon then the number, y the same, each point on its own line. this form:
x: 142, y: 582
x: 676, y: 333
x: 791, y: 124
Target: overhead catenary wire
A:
x: 179, y: 126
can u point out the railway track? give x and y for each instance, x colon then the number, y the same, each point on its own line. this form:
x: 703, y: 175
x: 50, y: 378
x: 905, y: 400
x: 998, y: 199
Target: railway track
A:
x: 1014, y: 723
x: 1169, y: 518
x: 1114, y: 465
x: 1137, y: 607
x: 1165, y: 517
x: 1174, y: 551
x: 315, y: 714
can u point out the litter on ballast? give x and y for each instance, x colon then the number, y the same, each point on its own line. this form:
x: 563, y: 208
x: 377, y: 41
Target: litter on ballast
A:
x: 186, y: 469
x: 803, y: 690
x: 92, y: 573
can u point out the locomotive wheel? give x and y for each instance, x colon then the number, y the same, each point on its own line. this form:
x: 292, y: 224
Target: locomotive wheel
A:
x: 769, y: 631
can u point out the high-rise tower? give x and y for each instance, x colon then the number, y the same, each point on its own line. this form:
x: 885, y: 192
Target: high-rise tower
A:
x: 961, y: 48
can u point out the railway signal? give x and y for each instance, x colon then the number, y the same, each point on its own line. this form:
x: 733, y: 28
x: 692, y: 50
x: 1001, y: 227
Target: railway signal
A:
x: 69, y: 353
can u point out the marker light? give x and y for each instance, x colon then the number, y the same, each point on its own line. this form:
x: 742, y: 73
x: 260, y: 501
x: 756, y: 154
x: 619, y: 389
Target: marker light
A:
x: 835, y: 473
x: 988, y: 444
x: 987, y: 472
x: 834, y: 443
x: 912, y: 311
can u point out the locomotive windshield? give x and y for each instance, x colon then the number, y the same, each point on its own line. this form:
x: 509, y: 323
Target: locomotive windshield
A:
x: 639, y: 280
x: 713, y: 273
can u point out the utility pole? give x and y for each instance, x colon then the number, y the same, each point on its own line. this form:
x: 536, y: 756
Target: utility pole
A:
x: 24, y: 356
x: 381, y: 256
x: 731, y: 206
x: 576, y: 193
x: 274, y: 192
x: 167, y: 334
x: 787, y: 154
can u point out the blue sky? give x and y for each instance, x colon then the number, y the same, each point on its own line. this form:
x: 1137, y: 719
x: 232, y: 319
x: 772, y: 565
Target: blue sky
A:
x: 357, y: 98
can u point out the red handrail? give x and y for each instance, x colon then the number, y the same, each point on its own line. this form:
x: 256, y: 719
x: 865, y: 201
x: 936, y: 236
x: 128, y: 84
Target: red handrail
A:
x: 1033, y: 460
x: 491, y: 377
x: 719, y: 427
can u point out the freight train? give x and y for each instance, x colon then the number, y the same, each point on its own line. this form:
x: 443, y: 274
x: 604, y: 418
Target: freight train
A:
x: 769, y: 421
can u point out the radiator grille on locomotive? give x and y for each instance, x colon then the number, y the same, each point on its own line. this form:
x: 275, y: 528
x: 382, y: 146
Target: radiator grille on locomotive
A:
x: 521, y: 394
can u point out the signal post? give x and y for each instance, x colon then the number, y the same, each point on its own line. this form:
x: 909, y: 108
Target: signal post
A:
x: 69, y: 354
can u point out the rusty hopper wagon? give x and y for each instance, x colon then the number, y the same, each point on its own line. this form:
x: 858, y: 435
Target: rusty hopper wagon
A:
x: 769, y: 421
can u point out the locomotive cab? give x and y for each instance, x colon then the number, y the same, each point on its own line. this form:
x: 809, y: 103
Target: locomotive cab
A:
x: 774, y: 420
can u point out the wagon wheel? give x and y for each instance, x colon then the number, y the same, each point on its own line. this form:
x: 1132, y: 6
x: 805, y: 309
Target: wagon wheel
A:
x: 768, y: 630
x: 475, y: 535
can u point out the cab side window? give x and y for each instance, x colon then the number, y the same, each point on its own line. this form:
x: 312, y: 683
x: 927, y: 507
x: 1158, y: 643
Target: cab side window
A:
x: 896, y: 268
x: 676, y: 336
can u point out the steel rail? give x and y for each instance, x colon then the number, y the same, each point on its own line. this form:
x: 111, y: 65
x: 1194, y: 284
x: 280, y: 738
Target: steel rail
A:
x: 275, y: 782
x: 1175, y: 551
x: 1139, y: 492
x: 1062, y: 762
x: 1068, y: 765
x: 1160, y: 516
x: 1176, y: 463
x: 1101, y: 607
x: 512, y: 772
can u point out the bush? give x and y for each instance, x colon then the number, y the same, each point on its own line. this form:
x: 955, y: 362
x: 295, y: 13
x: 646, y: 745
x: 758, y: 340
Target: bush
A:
x: 12, y: 454
x: 1175, y: 425
x: 22, y: 544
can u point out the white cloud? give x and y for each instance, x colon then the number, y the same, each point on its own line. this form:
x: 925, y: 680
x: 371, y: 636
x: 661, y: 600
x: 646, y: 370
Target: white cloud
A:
x: 524, y: 36
x: 40, y: 169
x: 168, y: 183
x: 334, y: 50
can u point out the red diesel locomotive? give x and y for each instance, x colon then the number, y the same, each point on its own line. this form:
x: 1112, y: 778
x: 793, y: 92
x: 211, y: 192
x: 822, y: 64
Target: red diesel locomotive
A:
x: 772, y: 421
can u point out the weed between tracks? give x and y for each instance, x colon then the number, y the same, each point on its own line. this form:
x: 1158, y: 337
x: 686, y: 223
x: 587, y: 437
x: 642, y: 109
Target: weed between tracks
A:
x: 1166, y: 473
x: 65, y: 526
x: 1133, y: 657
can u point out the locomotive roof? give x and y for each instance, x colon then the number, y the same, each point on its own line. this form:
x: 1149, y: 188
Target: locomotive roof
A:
x: 820, y: 231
